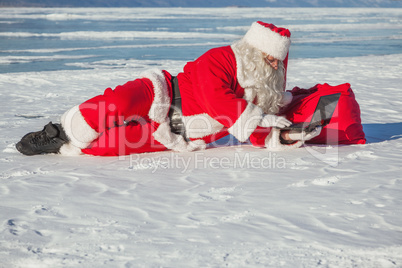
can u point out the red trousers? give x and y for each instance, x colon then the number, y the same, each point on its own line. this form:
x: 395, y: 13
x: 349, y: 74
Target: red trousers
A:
x: 121, y: 118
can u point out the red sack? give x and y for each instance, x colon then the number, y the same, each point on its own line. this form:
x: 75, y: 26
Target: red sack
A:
x: 345, y: 126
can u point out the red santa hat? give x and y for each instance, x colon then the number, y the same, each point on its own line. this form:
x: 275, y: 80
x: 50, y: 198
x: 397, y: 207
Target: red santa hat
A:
x: 269, y: 39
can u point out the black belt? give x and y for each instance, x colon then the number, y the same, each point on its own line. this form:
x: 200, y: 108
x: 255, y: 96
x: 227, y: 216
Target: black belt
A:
x: 175, y: 112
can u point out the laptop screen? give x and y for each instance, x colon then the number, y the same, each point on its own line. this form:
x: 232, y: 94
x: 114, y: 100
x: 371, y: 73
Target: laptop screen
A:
x: 325, y: 108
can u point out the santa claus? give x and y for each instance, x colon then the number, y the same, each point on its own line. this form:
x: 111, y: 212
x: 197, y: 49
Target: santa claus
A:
x: 237, y: 90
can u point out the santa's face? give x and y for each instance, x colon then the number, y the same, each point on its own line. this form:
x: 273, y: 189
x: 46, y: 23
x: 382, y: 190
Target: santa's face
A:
x: 271, y: 61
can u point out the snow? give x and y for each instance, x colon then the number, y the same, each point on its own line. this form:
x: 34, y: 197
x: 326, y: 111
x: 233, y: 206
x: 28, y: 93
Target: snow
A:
x: 231, y: 205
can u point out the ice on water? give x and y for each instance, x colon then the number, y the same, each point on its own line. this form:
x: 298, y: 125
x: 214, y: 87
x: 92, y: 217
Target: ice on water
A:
x: 58, y: 39
x: 236, y: 206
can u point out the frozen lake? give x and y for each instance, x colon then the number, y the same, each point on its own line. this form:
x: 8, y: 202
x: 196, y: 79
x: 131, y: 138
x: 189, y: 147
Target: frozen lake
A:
x: 62, y: 39
x: 227, y: 206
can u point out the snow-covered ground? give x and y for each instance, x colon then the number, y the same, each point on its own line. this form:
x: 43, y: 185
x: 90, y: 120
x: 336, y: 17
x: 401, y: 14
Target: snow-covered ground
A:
x: 227, y: 206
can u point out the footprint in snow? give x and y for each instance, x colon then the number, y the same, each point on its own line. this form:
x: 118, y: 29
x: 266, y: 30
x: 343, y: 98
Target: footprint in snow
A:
x: 326, y: 181
x: 363, y: 155
x: 218, y: 194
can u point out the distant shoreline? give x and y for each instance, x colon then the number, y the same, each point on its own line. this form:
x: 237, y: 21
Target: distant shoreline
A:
x: 318, y: 7
x: 199, y: 4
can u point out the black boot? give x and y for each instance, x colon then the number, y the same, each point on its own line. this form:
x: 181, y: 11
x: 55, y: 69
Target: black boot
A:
x: 47, y: 141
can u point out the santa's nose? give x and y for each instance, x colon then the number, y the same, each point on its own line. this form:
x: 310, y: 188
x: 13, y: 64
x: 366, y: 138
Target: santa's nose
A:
x: 274, y: 64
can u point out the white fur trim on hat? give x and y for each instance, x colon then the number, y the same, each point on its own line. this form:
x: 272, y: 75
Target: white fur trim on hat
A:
x: 268, y: 41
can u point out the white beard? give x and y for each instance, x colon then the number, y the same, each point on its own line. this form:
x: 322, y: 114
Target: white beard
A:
x: 261, y: 82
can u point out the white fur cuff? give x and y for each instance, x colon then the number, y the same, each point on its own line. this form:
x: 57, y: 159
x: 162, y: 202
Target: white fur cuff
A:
x: 77, y: 129
x: 246, y: 123
x: 176, y: 142
x: 70, y: 150
x: 273, y: 143
x: 201, y: 125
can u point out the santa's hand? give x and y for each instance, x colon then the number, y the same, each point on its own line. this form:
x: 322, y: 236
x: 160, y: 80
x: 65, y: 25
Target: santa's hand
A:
x: 303, y: 136
x: 274, y: 121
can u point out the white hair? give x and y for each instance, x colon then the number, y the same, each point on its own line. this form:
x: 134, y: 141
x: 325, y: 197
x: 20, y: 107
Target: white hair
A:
x: 265, y: 83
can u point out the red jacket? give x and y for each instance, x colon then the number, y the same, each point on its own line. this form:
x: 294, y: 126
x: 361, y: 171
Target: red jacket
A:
x: 214, y: 104
x: 213, y: 101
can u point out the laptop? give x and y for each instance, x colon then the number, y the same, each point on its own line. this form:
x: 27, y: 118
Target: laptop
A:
x: 322, y: 115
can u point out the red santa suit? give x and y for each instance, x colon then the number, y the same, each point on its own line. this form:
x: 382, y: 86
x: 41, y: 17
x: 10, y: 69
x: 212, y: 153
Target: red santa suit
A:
x: 133, y: 118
